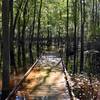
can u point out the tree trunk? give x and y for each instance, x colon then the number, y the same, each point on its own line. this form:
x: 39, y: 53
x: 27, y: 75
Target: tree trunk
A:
x: 17, y: 15
x: 67, y: 37
x: 19, y: 45
x: 12, y: 55
x: 48, y: 36
x: 75, y: 30
x: 59, y: 30
x: 82, y: 35
x: 6, y: 49
x: 23, y: 35
x: 0, y: 50
x: 38, y: 31
x: 32, y: 34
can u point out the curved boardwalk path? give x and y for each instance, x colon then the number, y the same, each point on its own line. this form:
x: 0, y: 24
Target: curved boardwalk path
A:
x: 46, y: 81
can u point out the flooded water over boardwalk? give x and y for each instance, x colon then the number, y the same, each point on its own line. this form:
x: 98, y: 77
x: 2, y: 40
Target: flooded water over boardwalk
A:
x: 45, y: 82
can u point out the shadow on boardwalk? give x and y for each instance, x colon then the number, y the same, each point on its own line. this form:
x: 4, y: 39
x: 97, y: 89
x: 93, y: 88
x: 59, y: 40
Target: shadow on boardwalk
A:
x: 46, y: 81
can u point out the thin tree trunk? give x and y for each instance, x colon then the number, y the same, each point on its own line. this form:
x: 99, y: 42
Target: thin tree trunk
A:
x: 31, y: 38
x: 23, y: 35
x: 96, y: 14
x: 67, y: 37
x: 19, y: 44
x: 12, y: 33
x: 17, y: 15
x: 48, y: 37
x: 82, y: 35
x: 59, y: 36
x: 98, y: 19
x: 6, y: 49
x: 75, y: 30
x: 38, y: 31
x: 0, y: 49
x: 12, y: 55
x: 59, y: 30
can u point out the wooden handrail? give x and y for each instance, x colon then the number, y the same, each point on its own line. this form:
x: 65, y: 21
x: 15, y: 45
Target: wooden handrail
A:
x: 71, y: 94
x: 21, y: 81
x: 67, y: 82
x: 28, y: 72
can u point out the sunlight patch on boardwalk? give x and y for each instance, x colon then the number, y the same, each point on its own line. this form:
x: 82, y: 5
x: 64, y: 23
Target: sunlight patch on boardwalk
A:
x: 46, y: 80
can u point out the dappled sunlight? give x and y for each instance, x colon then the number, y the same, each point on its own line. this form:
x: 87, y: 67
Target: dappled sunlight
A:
x: 34, y: 78
x: 49, y: 49
x: 45, y: 80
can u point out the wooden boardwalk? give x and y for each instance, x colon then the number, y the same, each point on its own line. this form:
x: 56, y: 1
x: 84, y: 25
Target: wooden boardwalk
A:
x: 45, y: 82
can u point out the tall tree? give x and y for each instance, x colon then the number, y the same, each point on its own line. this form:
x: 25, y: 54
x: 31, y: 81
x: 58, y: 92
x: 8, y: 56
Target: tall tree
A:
x: 6, y: 49
x: 67, y: 35
x: 13, y: 23
x: 17, y: 15
x: 38, y: 30
x: 75, y: 31
x: 19, y: 43
x: 23, y: 34
x: 32, y: 33
x: 48, y: 36
x: 0, y: 50
x: 12, y: 55
x: 82, y: 34
x: 59, y: 29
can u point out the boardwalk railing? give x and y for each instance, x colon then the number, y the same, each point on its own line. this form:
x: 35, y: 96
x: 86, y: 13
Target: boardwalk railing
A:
x: 21, y: 81
x: 67, y: 78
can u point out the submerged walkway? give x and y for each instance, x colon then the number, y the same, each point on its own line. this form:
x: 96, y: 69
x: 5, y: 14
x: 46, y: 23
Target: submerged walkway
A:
x: 46, y: 81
